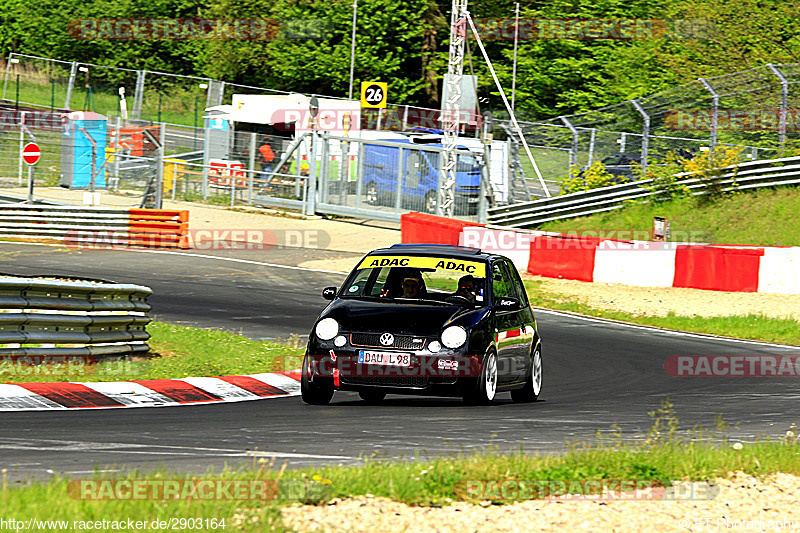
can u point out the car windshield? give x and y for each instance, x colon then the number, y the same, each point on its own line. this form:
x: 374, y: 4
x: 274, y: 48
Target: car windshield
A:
x: 408, y: 278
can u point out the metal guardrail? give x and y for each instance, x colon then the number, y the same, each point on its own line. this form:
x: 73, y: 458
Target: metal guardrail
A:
x: 752, y: 175
x: 51, y: 317
x: 95, y: 225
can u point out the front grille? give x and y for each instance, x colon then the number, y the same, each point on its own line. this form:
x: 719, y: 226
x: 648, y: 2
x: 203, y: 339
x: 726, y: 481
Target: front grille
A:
x: 387, y: 381
x: 402, y: 342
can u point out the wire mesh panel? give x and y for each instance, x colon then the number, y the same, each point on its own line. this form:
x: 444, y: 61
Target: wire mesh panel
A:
x: 35, y: 81
x: 172, y: 98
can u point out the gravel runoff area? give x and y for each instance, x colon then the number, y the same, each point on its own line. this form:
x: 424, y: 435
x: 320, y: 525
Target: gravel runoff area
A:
x: 743, y: 503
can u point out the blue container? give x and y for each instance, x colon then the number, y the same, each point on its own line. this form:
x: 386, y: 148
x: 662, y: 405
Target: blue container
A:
x: 77, y: 149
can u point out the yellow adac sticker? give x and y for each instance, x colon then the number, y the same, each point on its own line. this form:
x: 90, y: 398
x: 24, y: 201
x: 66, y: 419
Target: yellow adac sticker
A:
x: 439, y: 263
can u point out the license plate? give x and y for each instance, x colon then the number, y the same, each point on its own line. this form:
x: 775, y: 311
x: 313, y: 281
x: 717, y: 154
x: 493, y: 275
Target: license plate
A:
x: 384, y: 358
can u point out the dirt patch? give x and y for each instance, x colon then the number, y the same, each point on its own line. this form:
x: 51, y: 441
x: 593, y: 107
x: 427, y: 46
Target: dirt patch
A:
x: 743, y: 503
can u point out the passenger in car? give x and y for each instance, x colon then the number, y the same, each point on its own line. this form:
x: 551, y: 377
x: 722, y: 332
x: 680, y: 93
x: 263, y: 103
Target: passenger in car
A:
x: 466, y: 288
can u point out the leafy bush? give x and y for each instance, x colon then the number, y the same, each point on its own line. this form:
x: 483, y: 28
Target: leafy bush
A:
x: 713, y: 167
x: 579, y: 180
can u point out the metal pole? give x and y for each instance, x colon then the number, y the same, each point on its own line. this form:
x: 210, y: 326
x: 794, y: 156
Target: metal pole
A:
x: 251, y: 164
x: 714, y: 112
x: 514, y: 69
x: 21, y: 146
x: 645, y: 132
x: 117, y: 154
x: 591, y: 146
x: 8, y: 72
x: 70, y: 84
x: 398, y: 199
x: 16, y: 101
x: 352, y: 50
x: 160, y: 168
x: 360, y: 174
x: 508, y: 107
x: 573, y: 152
x: 784, y: 103
x: 311, y: 206
x: 52, y: 95
x: 30, y: 184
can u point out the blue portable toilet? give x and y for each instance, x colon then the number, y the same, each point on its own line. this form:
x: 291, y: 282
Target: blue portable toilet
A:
x: 84, y: 135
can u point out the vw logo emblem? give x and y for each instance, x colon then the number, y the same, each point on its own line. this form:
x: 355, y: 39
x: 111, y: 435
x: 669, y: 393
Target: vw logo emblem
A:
x: 387, y: 339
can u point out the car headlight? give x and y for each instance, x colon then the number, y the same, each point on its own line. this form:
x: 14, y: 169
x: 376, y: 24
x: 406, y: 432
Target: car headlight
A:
x: 454, y: 336
x: 326, y: 329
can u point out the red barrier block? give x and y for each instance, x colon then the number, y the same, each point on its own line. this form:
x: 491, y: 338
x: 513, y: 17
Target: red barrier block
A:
x: 430, y: 229
x: 563, y: 256
x: 717, y: 269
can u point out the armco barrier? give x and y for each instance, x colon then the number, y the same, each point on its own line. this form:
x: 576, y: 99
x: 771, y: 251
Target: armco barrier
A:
x: 95, y: 225
x: 424, y: 228
x: 735, y: 268
x: 50, y: 317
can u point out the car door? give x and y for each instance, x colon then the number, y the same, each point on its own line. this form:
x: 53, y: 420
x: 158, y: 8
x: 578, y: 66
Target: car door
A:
x: 527, y: 324
x: 506, y: 324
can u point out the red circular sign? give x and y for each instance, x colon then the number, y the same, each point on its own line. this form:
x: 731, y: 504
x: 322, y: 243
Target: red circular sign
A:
x: 31, y: 154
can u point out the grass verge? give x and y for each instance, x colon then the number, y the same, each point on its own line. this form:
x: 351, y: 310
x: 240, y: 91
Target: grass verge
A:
x: 755, y: 327
x: 760, y: 217
x: 176, y: 352
x: 656, y: 459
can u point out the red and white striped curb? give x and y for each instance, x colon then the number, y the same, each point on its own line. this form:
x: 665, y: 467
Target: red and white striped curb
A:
x: 147, y: 393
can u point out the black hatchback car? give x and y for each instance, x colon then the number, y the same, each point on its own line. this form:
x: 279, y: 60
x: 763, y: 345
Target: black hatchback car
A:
x: 426, y: 319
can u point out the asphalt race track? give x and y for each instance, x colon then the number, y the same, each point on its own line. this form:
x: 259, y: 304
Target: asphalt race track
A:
x: 596, y: 374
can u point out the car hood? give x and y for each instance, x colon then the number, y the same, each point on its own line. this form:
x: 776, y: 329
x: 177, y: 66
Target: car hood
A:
x: 399, y: 318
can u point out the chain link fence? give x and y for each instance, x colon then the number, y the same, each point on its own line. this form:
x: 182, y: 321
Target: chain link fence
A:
x: 754, y: 109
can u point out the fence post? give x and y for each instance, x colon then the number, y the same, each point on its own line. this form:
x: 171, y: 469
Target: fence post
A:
x: 573, y: 152
x: 645, y: 132
x: 251, y: 164
x: 400, y: 175
x: 8, y: 73
x: 622, y: 139
x: 360, y: 174
x: 714, y: 112
x: 70, y: 84
x: 162, y: 136
x: 784, y: 103
x: 311, y: 204
x: 591, y: 146
x: 138, y: 96
x: 206, y: 158
x: 117, y: 153
x: 324, y: 170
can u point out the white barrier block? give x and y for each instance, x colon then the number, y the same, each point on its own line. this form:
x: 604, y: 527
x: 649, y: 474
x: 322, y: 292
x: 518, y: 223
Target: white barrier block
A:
x: 637, y: 263
x: 514, y: 244
x: 779, y: 271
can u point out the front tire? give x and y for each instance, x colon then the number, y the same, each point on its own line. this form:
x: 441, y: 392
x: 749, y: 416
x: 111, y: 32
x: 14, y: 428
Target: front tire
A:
x: 485, y: 389
x: 533, y: 386
x: 318, y: 392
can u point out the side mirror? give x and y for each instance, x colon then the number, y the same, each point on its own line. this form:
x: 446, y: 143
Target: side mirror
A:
x: 507, y: 304
x: 329, y: 293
